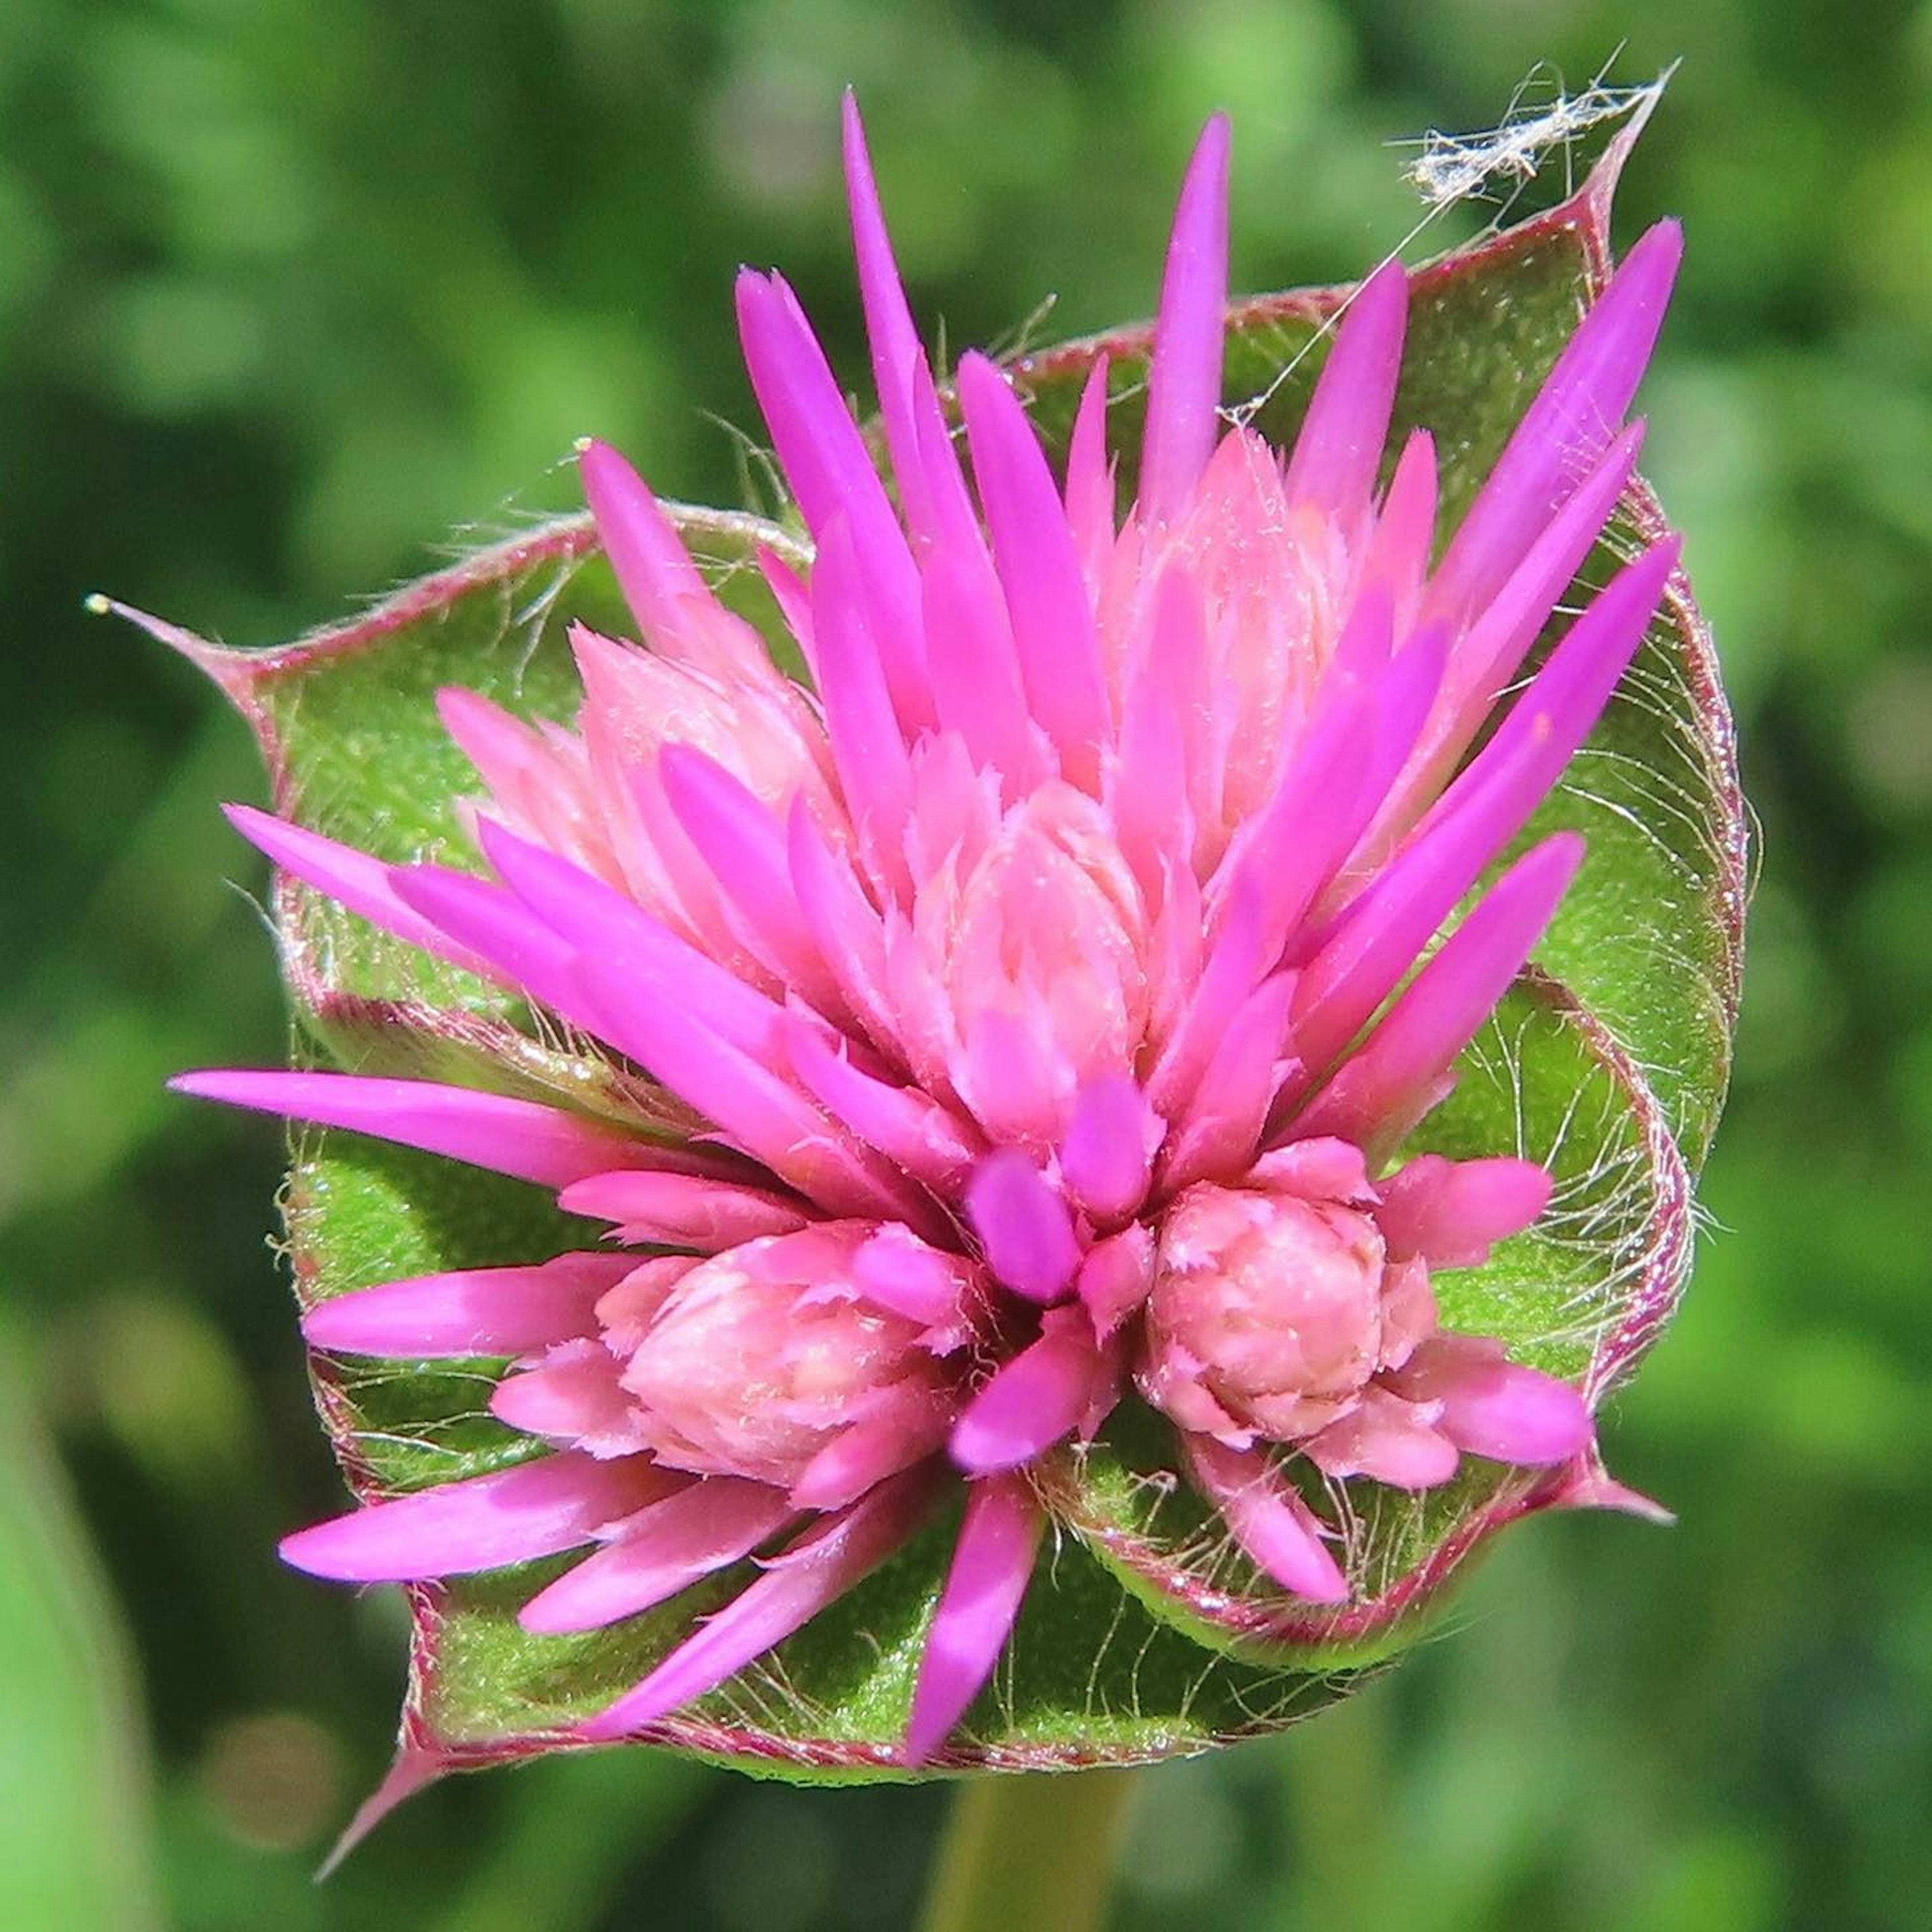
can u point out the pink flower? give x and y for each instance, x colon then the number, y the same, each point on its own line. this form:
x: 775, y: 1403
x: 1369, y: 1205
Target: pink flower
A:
x: 1040, y: 982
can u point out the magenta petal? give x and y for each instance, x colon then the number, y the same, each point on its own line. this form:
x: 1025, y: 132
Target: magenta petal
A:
x: 903, y: 1427
x: 682, y: 1210
x: 353, y: 878
x: 1339, y: 448
x: 503, y: 1311
x: 1449, y: 1213
x: 831, y: 471
x: 653, y: 569
x: 1032, y: 1400
x: 669, y: 1545
x: 743, y: 845
x: 1107, y: 1155
x: 1491, y: 1406
x: 511, y: 1516
x: 1023, y: 1225
x: 992, y: 1563
x: 1565, y: 430
x: 1387, y: 1439
x: 794, y: 1589
x: 1370, y: 1098
x: 1269, y: 1520
x: 1184, y: 381
x: 1039, y: 570
x: 571, y: 1397
x: 1115, y: 1278
x: 517, y: 1137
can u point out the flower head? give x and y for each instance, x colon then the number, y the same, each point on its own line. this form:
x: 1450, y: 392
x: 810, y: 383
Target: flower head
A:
x: 1046, y: 985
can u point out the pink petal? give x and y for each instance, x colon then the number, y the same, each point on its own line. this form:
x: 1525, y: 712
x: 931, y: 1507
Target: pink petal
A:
x: 1090, y: 475
x: 868, y: 742
x: 1380, y: 935
x: 1389, y: 1440
x: 502, y: 1311
x: 904, y: 1124
x: 1222, y: 1127
x: 516, y: 949
x: 976, y: 670
x: 1269, y: 1520
x: 1493, y: 1407
x: 511, y: 1516
x: 1369, y: 1099
x: 903, y: 1425
x: 573, y: 1398
x: 669, y: 1545
x: 896, y: 352
x: 679, y: 1210
x: 1339, y: 448
x: 845, y: 926
x: 1397, y: 554
x: 1032, y: 1400
x: 743, y: 845
x: 351, y: 877
x: 1023, y: 1225
x: 1039, y: 571
x: 1106, y: 1155
x: 517, y: 1137
x: 992, y: 1563
x: 794, y: 1589
x: 1564, y: 431
x: 654, y: 570
x: 831, y: 472
x: 898, y: 1271
x: 1115, y: 1278
x: 1449, y: 1212
x: 1316, y: 1170
x: 1184, y: 381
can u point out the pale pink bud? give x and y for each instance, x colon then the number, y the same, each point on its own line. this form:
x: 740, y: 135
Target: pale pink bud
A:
x: 771, y: 1361
x: 1269, y: 1313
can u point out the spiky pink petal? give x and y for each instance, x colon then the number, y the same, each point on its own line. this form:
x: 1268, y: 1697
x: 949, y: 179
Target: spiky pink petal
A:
x: 833, y: 474
x: 481, y: 1522
x: 653, y: 569
x: 1339, y: 448
x: 353, y: 878
x: 1033, y: 1400
x: 992, y: 1562
x: 572, y: 1397
x: 1023, y: 1225
x: 669, y: 1545
x: 1033, y: 548
x: 518, y: 1137
x: 1184, y: 378
x: 1491, y: 1406
x: 1268, y: 1519
x: 1387, y: 1439
x: 1374, y: 1098
x: 678, y: 1210
x: 1579, y: 409
x: 796, y: 1586
x: 500, y: 1311
x: 1450, y: 1212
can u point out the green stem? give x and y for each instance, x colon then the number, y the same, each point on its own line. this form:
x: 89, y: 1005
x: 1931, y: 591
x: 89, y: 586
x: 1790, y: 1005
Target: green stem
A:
x: 1028, y: 1853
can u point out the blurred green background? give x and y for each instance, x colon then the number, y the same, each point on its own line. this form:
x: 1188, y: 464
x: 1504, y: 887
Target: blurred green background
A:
x: 291, y: 290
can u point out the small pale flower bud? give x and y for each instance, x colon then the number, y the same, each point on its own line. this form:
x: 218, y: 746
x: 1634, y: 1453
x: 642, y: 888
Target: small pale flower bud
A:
x: 1267, y: 1316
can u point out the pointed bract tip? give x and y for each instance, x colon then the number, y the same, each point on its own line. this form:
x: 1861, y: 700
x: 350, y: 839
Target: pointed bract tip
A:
x: 415, y: 1768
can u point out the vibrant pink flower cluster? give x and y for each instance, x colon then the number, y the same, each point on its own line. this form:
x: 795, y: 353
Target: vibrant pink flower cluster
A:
x: 1042, y: 977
